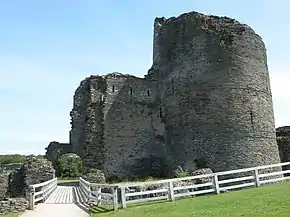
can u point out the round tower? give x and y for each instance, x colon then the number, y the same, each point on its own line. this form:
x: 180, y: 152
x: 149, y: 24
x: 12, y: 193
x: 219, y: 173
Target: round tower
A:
x: 215, y: 93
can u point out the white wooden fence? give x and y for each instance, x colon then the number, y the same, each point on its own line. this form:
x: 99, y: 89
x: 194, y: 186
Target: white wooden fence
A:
x: 40, y: 192
x: 95, y: 193
x: 171, y: 189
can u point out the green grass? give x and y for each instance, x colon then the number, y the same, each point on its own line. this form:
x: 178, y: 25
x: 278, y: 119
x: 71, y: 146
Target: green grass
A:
x: 13, y: 214
x: 61, y: 181
x: 266, y: 201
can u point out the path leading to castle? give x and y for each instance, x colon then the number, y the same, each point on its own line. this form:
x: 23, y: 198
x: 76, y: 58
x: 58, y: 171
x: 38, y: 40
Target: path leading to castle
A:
x: 65, y: 201
x: 56, y: 210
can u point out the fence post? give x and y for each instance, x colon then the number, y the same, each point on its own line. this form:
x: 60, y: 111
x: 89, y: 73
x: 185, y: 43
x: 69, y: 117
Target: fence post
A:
x: 216, y: 184
x: 170, y: 191
x: 257, y: 180
x: 123, y: 197
x: 89, y: 194
x: 31, y: 197
x: 115, y: 198
x: 99, y: 196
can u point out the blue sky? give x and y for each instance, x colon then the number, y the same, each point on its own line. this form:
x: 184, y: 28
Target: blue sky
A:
x: 47, y: 47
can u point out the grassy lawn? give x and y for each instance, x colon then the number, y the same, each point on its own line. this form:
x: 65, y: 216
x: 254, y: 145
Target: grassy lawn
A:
x: 14, y: 214
x: 64, y: 181
x: 266, y: 201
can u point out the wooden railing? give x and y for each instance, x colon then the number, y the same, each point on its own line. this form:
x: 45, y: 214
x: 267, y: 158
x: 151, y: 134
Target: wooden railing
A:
x: 40, y: 192
x: 99, y: 193
x: 171, y: 189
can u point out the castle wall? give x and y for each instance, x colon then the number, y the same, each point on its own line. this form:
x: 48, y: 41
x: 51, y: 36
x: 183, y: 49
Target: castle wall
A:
x: 283, y: 141
x: 215, y: 93
x: 56, y: 149
x: 131, y: 127
x: 121, y: 128
x: 205, y: 102
x: 78, y: 119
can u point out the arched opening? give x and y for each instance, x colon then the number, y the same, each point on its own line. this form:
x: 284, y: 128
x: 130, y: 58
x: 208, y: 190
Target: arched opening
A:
x: 148, y: 93
x: 68, y: 168
x: 113, y: 88
x: 131, y: 91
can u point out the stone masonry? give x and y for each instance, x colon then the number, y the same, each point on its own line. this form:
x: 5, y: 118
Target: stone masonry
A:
x: 16, y: 178
x: 55, y: 149
x: 283, y: 141
x: 205, y: 102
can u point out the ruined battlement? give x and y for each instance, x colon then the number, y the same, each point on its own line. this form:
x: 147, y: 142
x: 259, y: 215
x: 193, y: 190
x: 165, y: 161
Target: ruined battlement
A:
x: 206, y: 98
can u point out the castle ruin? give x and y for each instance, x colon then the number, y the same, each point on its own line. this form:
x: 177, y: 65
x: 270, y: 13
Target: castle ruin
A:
x: 205, y: 102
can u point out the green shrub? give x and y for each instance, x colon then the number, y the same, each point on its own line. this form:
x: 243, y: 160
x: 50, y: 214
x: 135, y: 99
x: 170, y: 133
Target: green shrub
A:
x: 68, y: 166
x: 180, y: 172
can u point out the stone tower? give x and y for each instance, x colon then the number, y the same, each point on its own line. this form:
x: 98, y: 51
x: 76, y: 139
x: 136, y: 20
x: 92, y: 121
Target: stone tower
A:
x: 215, y: 92
x: 205, y: 102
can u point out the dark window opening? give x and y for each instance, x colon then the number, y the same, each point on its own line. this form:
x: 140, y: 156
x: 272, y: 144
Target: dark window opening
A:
x: 113, y: 88
x: 251, y: 114
x: 131, y: 90
x: 148, y: 93
x: 160, y: 113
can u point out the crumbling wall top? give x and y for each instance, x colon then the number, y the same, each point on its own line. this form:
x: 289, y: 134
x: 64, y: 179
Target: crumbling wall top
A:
x: 211, y: 23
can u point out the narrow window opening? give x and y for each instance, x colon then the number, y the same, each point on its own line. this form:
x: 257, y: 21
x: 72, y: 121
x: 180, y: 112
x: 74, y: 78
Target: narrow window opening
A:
x: 131, y: 91
x: 148, y: 93
x: 113, y: 88
x: 251, y: 114
x: 160, y: 113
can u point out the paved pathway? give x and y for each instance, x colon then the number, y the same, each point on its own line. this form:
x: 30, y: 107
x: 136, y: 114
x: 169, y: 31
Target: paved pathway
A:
x: 65, y: 201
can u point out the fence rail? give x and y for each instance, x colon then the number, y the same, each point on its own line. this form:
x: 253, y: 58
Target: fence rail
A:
x: 99, y: 193
x: 40, y: 192
x: 171, y: 189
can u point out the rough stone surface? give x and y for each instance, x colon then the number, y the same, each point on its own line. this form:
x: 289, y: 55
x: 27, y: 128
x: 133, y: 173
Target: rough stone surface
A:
x: 37, y: 170
x: 206, y: 98
x: 283, y: 140
x: 55, y: 149
x: 94, y: 176
x: 13, y: 205
x: 15, y: 179
x: 203, y: 171
x: 4, y: 184
x: 11, y: 166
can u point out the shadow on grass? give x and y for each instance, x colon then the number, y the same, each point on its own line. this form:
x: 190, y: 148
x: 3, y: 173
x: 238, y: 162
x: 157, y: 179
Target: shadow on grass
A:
x: 94, y: 209
x: 100, y: 209
x: 149, y: 203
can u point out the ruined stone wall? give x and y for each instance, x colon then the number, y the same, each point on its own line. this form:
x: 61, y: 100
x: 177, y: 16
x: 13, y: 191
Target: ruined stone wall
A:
x: 78, y: 117
x: 55, y: 149
x: 15, y: 180
x: 205, y: 102
x: 132, y: 127
x: 283, y: 141
x: 121, y: 126
x: 215, y: 93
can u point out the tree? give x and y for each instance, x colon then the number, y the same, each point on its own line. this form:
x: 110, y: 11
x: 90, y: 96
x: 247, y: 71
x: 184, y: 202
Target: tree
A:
x: 68, y: 166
